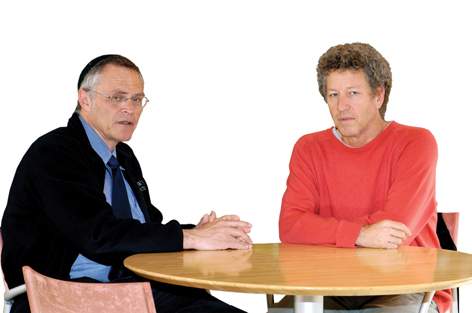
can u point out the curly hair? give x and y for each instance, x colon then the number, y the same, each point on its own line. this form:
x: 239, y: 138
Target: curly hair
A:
x: 356, y: 56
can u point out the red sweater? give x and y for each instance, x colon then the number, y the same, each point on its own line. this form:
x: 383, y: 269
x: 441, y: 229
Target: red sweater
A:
x: 333, y: 190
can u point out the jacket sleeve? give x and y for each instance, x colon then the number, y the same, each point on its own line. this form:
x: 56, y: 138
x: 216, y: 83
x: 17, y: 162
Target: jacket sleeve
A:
x: 67, y: 186
x: 300, y: 220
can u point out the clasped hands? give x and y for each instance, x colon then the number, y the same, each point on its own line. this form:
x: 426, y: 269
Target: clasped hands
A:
x: 217, y: 233
x: 385, y: 234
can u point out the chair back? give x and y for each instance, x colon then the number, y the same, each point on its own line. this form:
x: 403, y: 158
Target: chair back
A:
x: 49, y: 295
x: 447, y: 229
x: 1, y: 248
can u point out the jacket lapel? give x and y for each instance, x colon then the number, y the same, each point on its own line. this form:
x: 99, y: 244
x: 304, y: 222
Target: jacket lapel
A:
x: 136, y: 182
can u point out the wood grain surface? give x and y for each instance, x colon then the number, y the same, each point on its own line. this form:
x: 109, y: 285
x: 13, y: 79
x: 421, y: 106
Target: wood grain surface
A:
x: 309, y: 270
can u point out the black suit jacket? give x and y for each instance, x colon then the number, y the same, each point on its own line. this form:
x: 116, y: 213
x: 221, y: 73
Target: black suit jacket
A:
x: 56, y: 209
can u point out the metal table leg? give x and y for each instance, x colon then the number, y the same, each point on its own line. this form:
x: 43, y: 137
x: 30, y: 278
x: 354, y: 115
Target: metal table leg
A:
x: 428, y: 296
x: 309, y: 304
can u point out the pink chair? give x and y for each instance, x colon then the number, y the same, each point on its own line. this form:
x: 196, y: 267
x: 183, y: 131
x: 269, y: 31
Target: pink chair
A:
x: 49, y: 295
x: 447, y: 231
x: 451, y: 220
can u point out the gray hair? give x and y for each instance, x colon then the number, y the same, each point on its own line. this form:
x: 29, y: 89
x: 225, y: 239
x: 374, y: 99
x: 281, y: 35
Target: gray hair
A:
x: 90, y: 75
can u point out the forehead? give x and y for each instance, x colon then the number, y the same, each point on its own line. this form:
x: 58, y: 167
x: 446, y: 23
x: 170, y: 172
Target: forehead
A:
x: 346, y: 78
x: 119, y: 78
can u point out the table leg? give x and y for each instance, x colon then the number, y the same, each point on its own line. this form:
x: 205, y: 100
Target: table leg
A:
x: 428, y: 296
x: 308, y: 304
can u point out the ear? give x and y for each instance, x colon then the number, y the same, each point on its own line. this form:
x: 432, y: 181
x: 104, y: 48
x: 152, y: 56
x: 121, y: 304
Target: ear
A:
x: 84, y: 100
x: 379, y: 96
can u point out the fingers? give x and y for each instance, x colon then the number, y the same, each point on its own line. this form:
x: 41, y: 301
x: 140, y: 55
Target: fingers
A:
x: 228, y: 218
x: 213, y: 233
x: 228, y: 241
x: 236, y: 224
x: 245, y: 226
x: 241, y: 235
x: 207, y: 218
x: 392, y: 238
x: 237, y: 244
x: 237, y: 240
x: 389, y: 245
x: 384, y: 234
x: 394, y: 241
x: 204, y: 219
x: 231, y: 217
x: 398, y: 234
x: 212, y: 216
x: 397, y: 226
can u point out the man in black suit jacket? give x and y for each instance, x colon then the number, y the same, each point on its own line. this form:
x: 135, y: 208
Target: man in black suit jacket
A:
x: 59, y: 217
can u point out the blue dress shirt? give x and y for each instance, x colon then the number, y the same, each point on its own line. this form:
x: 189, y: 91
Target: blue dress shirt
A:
x: 84, y: 267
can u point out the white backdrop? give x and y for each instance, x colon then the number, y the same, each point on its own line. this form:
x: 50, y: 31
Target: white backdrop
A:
x: 232, y: 86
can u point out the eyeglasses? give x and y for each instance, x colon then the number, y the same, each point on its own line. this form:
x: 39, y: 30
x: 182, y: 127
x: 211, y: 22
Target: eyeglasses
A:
x: 118, y: 100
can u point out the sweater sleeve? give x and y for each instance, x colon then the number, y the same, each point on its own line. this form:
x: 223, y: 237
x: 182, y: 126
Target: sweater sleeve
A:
x: 300, y: 220
x: 411, y: 196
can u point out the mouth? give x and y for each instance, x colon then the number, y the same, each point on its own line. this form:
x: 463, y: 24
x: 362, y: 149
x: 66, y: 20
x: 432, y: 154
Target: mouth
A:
x: 345, y: 119
x: 125, y: 123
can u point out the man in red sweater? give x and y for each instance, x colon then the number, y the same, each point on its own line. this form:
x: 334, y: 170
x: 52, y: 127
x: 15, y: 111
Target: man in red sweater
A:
x: 366, y: 182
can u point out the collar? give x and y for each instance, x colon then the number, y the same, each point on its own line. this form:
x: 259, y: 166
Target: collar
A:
x: 97, y: 143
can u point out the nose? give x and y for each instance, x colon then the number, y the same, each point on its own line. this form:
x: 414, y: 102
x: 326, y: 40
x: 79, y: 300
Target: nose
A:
x: 343, y: 103
x: 127, y: 106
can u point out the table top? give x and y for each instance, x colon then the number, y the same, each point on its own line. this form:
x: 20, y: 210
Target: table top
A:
x: 309, y: 270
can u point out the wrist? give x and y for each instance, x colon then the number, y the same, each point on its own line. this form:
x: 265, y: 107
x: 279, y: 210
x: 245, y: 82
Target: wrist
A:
x: 188, y: 239
x: 359, y: 239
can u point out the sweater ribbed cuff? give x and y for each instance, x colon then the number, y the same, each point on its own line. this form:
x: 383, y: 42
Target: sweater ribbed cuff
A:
x: 347, y: 233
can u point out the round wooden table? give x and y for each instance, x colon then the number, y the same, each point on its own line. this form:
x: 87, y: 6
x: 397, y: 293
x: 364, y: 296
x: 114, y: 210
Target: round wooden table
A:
x: 310, y: 272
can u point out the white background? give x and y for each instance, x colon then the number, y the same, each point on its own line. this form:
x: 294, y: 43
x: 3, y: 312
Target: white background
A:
x: 232, y: 86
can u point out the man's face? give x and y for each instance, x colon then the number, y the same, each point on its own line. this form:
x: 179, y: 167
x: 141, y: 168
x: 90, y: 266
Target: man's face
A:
x: 354, y: 107
x: 113, y: 122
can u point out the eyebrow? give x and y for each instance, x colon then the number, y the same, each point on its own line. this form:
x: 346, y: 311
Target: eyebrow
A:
x: 349, y: 87
x: 121, y: 92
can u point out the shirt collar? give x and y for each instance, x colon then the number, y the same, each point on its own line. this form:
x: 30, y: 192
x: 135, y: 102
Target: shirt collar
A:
x: 97, y: 142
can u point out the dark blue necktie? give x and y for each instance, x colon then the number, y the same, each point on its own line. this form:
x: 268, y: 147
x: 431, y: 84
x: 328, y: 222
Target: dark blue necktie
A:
x: 119, y: 196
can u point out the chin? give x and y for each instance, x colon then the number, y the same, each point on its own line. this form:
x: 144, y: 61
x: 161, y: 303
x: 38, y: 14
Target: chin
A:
x: 124, y: 138
x: 347, y: 131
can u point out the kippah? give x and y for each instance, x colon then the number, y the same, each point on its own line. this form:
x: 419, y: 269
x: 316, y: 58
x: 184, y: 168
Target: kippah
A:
x: 91, y: 65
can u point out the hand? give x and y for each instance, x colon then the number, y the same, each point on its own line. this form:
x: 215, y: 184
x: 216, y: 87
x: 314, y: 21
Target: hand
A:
x: 206, y: 219
x: 385, y: 234
x: 226, y: 232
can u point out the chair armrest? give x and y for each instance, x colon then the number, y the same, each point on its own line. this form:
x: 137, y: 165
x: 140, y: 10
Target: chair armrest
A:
x: 9, y: 297
x: 11, y: 293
